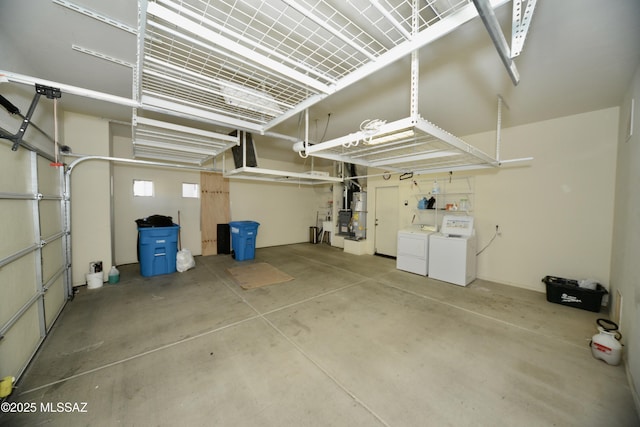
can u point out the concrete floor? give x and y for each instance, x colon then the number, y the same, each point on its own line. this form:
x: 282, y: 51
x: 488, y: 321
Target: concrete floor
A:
x: 350, y: 342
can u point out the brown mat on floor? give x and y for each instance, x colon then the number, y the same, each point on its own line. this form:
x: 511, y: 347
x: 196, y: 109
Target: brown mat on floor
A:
x: 256, y: 275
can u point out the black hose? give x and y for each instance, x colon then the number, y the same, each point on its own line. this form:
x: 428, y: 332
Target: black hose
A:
x: 613, y: 327
x: 12, y: 109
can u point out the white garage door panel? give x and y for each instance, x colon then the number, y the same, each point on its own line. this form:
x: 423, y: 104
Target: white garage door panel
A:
x: 49, y: 181
x: 52, y: 260
x: 17, y: 286
x: 54, y: 300
x: 34, y: 281
x: 15, y: 173
x: 17, y: 227
x: 20, y: 342
x: 50, y: 218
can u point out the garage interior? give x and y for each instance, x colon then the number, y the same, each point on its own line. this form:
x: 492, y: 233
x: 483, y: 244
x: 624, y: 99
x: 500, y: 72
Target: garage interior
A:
x: 519, y: 115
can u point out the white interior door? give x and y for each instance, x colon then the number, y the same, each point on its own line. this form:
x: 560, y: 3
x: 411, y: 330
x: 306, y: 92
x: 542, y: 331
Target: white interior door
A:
x: 386, y: 221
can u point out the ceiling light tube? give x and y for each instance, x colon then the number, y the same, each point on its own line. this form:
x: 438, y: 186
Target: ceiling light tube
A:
x: 165, y: 65
x: 391, y: 137
x: 414, y: 158
x: 389, y: 148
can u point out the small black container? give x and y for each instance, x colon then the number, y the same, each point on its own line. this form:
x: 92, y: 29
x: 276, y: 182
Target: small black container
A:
x: 567, y: 292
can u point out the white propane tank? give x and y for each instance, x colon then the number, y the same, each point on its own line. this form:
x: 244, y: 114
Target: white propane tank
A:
x: 605, y: 345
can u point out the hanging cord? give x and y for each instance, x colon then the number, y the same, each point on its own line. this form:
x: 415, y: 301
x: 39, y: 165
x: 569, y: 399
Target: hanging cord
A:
x: 326, y: 127
x: 299, y: 134
x: 490, y: 241
x: 305, y: 144
x: 56, y: 163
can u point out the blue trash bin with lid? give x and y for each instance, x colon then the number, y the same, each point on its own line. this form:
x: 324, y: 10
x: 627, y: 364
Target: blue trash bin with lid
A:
x: 243, y: 239
x: 158, y: 248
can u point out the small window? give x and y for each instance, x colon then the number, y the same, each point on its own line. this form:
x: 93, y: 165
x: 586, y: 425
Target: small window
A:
x: 142, y: 188
x: 190, y: 190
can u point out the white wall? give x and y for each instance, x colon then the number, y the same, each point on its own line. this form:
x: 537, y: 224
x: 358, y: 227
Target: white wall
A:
x: 90, y: 194
x: 555, y: 214
x: 625, y: 268
x: 285, y: 211
x: 167, y: 201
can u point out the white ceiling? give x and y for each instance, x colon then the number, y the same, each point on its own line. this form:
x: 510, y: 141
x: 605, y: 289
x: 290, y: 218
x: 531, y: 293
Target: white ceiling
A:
x: 579, y: 56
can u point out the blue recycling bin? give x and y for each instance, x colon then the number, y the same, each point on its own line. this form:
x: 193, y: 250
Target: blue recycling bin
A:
x: 243, y: 239
x: 158, y: 248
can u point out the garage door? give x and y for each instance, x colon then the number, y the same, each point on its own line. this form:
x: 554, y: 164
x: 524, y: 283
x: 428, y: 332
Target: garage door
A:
x: 33, y: 269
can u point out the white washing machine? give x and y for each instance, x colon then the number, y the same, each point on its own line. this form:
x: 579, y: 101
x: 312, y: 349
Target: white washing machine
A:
x: 413, y: 250
x: 452, y: 251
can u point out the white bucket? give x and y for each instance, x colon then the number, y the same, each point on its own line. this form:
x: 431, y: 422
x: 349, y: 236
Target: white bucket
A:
x: 94, y: 280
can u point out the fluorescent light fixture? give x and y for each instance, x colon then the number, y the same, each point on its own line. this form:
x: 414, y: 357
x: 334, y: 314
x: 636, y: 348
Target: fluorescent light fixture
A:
x: 250, y: 99
x: 392, y: 137
x: 435, y: 154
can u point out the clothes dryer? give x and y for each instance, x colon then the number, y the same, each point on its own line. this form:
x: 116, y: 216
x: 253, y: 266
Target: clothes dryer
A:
x: 452, y: 251
x: 413, y: 250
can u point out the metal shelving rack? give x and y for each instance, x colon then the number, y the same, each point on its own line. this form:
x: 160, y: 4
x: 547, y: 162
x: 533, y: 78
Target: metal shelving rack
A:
x: 451, y: 191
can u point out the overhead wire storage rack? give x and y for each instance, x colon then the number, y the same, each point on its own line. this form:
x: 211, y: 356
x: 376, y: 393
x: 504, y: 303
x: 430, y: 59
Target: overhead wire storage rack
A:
x: 255, y: 63
x: 154, y: 139
x: 406, y: 145
x: 252, y: 65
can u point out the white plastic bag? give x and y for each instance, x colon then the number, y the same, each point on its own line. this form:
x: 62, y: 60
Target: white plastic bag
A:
x: 588, y: 284
x: 184, y: 260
